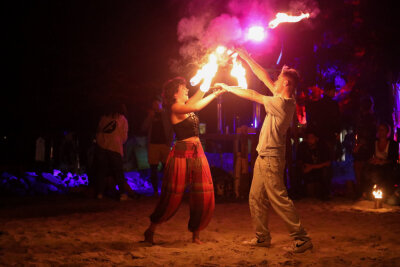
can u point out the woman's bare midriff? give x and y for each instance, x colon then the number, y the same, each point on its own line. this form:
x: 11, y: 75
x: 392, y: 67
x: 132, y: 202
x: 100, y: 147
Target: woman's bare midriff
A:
x: 192, y: 139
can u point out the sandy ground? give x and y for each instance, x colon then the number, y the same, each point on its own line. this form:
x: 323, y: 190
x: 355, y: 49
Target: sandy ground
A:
x: 76, y: 231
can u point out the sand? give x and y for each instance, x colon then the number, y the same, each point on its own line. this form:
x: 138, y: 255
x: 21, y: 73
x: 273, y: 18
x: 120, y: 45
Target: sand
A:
x: 78, y: 231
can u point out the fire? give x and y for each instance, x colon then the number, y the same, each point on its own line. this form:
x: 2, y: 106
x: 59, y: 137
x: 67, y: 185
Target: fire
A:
x: 283, y: 17
x: 239, y: 72
x: 377, y: 192
x: 206, y: 73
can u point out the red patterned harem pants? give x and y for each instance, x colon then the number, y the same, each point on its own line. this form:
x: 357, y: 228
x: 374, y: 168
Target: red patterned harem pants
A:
x: 186, y: 166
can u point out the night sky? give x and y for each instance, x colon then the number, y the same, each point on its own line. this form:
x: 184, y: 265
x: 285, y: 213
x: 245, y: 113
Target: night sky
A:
x: 65, y: 60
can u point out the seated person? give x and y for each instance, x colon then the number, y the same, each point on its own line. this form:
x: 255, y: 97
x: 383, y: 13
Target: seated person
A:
x: 382, y: 165
x: 313, y: 164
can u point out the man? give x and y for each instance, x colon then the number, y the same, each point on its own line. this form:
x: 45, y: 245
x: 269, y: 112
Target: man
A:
x: 268, y: 186
x: 324, y: 117
x: 112, y: 133
x: 159, y: 138
x: 313, y: 162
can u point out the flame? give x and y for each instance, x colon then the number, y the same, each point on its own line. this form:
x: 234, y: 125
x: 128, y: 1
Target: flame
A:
x: 377, y: 192
x: 239, y: 72
x: 283, y: 17
x: 206, y: 73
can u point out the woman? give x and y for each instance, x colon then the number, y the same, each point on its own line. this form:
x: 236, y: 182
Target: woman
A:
x: 381, y: 166
x: 186, y: 164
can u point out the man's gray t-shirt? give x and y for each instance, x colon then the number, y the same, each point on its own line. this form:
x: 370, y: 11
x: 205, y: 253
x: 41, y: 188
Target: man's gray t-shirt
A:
x: 279, y: 116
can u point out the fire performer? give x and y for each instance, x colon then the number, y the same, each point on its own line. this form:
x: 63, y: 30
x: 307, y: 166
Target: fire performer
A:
x: 187, y: 164
x: 268, y: 187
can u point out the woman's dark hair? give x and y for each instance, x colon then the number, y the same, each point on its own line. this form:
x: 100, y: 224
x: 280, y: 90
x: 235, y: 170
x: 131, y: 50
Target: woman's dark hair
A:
x: 170, y: 88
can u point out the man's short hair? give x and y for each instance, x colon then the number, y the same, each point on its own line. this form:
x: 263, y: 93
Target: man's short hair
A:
x: 292, y: 75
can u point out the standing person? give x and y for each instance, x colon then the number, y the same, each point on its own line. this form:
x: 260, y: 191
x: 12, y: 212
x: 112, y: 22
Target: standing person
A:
x: 159, y: 137
x: 325, y: 119
x: 187, y: 165
x: 268, y: 184
x: 112, y: 133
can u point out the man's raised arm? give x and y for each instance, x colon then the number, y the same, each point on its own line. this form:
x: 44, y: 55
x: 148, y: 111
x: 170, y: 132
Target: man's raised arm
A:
x: 259, y: 71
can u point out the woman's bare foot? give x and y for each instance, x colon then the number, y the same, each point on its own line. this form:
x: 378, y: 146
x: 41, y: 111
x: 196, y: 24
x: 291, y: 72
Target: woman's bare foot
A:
x: 149, y: 236
x: 196, y: 238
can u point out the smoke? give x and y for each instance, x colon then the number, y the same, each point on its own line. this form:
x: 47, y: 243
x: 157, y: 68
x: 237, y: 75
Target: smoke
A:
x: 305, y: 6
x: 209, y: 23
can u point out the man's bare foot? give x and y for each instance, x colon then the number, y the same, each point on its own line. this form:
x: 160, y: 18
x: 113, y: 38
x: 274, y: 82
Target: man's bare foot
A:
x: 148, y: 236
x: 196, y: 238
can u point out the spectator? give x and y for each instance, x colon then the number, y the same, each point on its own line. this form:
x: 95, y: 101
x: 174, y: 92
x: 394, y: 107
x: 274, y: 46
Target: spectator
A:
x: 325, y: 119
x: 112, y: 133
x: 365, y: 128
x: 313, y: 164
x: 40, y: 150
x: 159, y: 137
x: 382, y: 165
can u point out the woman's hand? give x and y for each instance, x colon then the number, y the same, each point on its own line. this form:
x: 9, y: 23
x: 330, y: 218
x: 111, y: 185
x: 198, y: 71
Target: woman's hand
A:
x: 219, y: 91
x: 227, y: 88
x: 222, y: 86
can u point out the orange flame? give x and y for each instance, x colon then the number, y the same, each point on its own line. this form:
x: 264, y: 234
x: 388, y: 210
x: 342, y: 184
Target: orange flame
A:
x: 377, y: 192
x: 239, y: 72
x: 206, y: 73
x: 283, y: 17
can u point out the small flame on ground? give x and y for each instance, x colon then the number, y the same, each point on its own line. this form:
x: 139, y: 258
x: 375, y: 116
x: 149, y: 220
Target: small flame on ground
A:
x: 377, y: 192
x: 283, y: 17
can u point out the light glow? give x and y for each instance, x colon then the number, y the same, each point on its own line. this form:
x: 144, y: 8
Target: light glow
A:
x: 256, y: 33
x: 220, y: 49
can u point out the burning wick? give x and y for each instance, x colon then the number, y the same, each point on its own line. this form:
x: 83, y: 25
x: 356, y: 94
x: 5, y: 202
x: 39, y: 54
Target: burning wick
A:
x: 256, y: 33
x: 378, y: 197
x: 283, y: 17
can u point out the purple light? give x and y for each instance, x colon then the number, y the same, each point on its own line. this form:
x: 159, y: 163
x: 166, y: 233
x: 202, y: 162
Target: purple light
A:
x: 256, y: 33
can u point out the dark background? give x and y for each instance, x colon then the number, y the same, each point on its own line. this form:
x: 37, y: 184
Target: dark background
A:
x: 64, y: 60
